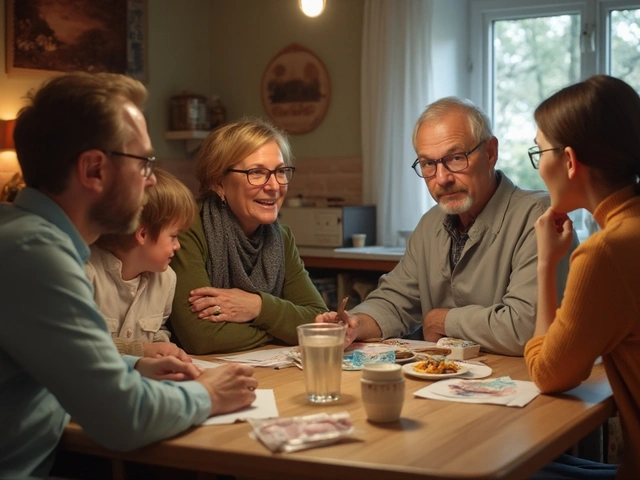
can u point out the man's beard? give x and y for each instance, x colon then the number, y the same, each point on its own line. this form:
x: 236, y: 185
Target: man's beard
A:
x: 458, y: 207
x: 115, y: 212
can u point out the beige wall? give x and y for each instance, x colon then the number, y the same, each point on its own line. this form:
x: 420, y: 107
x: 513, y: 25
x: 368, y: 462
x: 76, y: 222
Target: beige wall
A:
x: 179, y: 49
x: 222, y: 47
x: 247, y: 34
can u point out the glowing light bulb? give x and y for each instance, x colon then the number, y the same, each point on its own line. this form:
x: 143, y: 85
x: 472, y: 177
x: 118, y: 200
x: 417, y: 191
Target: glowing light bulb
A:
x: 311, y: 8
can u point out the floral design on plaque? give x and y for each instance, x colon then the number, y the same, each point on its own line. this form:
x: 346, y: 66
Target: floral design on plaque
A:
x: 296, y: 89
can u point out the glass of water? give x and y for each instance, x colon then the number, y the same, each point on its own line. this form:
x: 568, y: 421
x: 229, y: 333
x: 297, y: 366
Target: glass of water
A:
x: 321, y: 348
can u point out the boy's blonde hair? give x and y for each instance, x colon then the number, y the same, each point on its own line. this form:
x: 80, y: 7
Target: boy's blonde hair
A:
x: 168, y: 203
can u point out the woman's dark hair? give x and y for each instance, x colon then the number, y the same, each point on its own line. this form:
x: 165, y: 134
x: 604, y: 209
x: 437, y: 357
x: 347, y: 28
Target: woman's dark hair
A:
x: 600, y: 119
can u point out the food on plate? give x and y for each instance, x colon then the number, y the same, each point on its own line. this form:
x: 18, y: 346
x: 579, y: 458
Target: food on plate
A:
x: 436, y: 365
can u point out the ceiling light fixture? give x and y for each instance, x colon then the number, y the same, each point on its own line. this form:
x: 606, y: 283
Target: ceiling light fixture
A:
x: 311, y: 8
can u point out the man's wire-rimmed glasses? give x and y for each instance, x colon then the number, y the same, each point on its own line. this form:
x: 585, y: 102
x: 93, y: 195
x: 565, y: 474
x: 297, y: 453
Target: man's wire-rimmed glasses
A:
x: 535, y: 153
x: 147, y: 166
x: 260, y: 176
x: 454, y: 162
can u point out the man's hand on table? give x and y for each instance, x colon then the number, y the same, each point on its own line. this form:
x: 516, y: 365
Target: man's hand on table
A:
x: 352, y: 322
x: 167, y: 368
x: 359, y: 326
x: 165, y: 349
x: 433, y: 324
x: 231, y: 387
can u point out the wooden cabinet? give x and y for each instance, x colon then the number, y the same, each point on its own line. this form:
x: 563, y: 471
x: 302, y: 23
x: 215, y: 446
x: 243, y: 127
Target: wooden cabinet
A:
x: 337, y: 277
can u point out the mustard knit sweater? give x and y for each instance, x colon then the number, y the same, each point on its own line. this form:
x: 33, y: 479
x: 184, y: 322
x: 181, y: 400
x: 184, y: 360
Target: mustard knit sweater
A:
x: 600, y: 316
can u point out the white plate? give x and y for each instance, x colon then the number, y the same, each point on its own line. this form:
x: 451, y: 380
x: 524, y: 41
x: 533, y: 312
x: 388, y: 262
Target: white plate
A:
x: 476, y: 370
x: 408, y: 369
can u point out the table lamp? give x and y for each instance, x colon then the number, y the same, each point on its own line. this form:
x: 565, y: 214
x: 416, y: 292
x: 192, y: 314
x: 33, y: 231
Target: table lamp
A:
x: 6, y: 134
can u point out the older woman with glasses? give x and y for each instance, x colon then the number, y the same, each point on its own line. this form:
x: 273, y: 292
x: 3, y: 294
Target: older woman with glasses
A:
x: 241, y: 282
x: 588, y: 154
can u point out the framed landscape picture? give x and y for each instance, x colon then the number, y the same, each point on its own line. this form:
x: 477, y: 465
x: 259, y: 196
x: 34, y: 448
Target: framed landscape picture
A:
x: 76, y: 35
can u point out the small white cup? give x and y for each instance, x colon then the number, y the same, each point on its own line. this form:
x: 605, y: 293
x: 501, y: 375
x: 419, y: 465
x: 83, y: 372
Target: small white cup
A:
x: 382, y: 388
x: 359, y: 239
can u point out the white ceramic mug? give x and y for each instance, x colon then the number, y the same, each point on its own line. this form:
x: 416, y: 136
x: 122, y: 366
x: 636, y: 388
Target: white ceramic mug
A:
x: 359, y: 239
x: 382, y: 388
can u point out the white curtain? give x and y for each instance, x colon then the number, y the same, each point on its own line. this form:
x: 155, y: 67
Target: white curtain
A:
x: 396, y: 86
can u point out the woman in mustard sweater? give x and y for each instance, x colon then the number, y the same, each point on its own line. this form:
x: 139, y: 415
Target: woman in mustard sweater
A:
x: 240, y: 280
x: 588, y: 153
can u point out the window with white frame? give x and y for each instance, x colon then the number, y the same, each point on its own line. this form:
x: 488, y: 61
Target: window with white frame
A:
x: 523, y: 53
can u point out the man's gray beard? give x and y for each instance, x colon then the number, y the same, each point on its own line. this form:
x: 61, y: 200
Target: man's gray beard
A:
x: 463, y: 207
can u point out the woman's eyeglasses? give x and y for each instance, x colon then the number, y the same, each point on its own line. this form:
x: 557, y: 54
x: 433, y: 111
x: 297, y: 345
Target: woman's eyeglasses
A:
x: 260, y: 176
x: 535, y: 154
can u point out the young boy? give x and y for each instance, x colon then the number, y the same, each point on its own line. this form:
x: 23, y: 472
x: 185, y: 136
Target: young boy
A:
x: 133, y: 284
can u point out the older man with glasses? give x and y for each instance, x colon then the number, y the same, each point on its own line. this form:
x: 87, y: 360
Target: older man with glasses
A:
x: 469, y: 270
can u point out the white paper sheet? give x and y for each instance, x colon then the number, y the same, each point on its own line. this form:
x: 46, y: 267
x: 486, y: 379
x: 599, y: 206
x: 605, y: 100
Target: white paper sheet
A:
x: 205, y: 364
x: 263, y: 407
x: 275, y: 357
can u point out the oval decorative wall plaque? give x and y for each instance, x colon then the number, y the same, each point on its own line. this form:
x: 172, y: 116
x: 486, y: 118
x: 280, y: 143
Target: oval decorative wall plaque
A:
x: 296, y: 89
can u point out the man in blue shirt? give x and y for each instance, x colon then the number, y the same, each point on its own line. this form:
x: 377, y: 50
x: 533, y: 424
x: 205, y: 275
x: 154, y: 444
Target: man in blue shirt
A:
x: 85, y: 154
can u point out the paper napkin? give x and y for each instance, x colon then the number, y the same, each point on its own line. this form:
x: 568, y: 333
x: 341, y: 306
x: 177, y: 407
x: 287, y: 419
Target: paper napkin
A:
x: 263, y: 407
x: 497, y: 391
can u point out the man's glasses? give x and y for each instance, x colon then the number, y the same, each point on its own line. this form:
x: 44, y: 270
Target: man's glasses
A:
x: 260, y: 176
x: 535, y: 153
x: 454, y: 162
x: 147, y: 166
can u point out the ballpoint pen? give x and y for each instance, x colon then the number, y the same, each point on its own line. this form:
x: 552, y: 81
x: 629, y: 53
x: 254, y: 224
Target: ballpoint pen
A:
x: 341, y: 308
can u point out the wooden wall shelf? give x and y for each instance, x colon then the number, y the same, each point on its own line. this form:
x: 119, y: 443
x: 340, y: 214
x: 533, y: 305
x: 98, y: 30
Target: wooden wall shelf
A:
x: 193, y: 138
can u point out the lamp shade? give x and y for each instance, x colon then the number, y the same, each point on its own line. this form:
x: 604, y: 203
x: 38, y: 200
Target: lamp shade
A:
x: 6, y: 134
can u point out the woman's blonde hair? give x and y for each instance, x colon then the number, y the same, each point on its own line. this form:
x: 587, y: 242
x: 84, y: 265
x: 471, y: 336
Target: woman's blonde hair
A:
x: 233, y: 142
x: 168, y: 203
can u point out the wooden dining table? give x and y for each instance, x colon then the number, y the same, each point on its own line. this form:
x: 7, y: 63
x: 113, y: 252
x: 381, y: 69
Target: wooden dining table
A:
x: 434, y: 439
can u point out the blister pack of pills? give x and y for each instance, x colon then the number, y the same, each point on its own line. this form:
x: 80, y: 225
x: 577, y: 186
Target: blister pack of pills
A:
x: 299, y: 433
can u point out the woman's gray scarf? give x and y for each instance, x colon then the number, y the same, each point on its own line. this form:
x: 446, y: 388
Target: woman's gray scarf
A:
x: 254, y: 264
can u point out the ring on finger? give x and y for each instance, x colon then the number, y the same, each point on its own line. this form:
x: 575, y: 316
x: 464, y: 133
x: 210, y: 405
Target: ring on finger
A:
x: 251, y: 389
x: 217, y: 311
